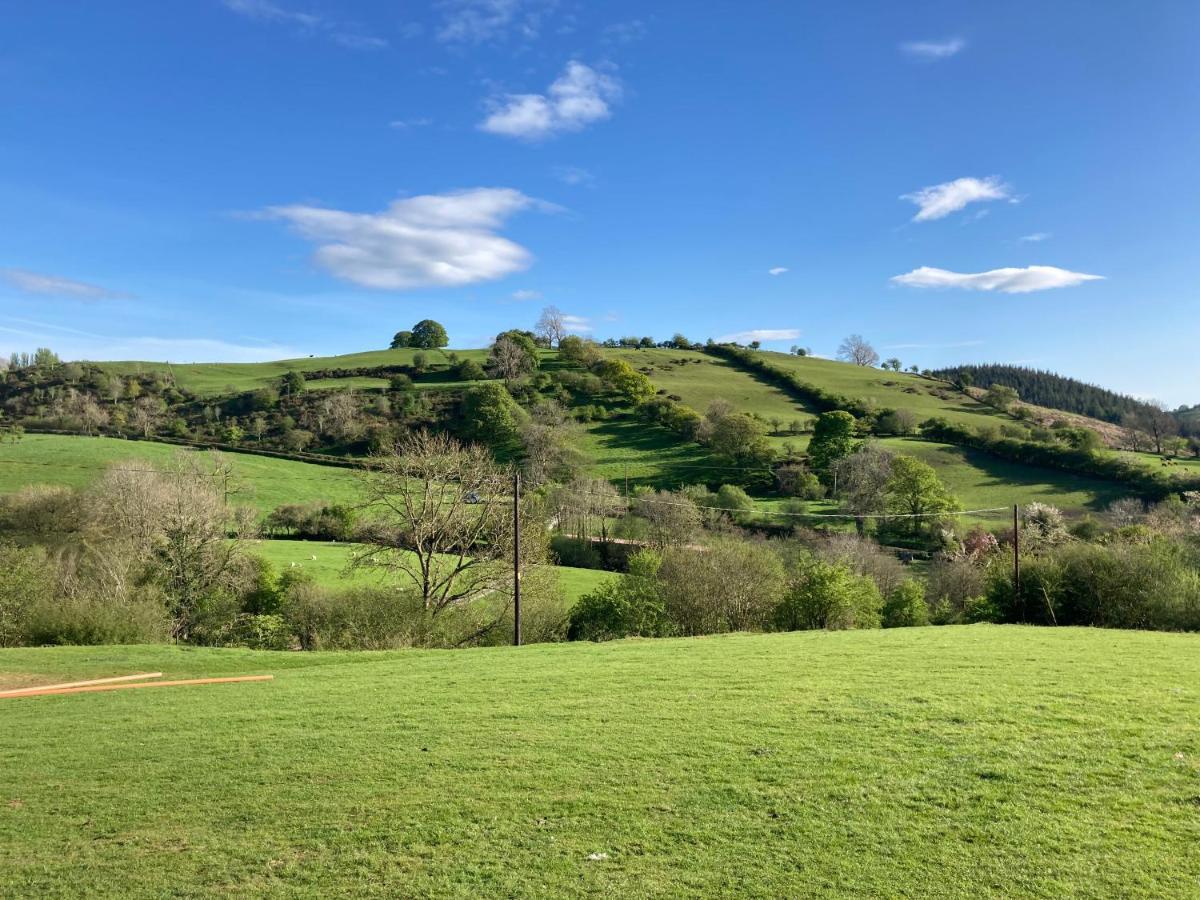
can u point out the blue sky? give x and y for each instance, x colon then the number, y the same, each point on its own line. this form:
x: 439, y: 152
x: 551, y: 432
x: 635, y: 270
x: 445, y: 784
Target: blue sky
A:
x: 956, y: 181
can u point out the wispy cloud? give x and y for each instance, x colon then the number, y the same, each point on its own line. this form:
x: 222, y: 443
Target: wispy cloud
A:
x: 574, y: 175
x: 266, y: 11
x: 940, y: 200
x: 1007, y: 280
x: 761, y: 334
x: 952, y: 345
x: 41, y: 284
x: 526, y: 294
x: 577, y: 98
x: 577, y: 324
x: 433, y: 240
x: 70, y: 343
x: 344, y: 34
x: 484, y: 21
x: 1036, y: 237
x: 624, y: 32
x: 931, y: 51
x: 406, y: 124
x: 778, y: 270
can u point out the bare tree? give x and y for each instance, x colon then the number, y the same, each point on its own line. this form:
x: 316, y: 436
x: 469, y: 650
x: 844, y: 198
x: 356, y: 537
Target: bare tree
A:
x: 509, y: 360
x: 861, y: 480
x: 439, y: 514
x: 552, y: 325
x: 548, y: 439
x: 855, y: 349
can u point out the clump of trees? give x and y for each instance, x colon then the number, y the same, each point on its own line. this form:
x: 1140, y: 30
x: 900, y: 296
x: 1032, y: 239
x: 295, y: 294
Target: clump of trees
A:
x: 425, y: 335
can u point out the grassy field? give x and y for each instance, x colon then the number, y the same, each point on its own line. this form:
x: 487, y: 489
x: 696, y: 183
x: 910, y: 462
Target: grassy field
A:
x: 328, y: 566
x: 979, y: 761
x: 76, y: 461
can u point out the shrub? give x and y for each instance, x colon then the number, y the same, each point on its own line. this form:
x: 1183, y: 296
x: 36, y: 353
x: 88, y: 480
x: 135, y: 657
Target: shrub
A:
x: 729, y: 586
x: 357, y: 619
x: 828, y: 595
x: 624, y: 607
x: 25, y: 582
x: 905, y: 606
x: 86, y: 620
x: 955, y: 588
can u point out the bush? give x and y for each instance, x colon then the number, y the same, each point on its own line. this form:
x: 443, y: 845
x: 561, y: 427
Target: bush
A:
x: 828, y: 595
x: 955, y: 589
x: 25, y: 582
x: 730, y: 586
x: 624, y: 607
x: 1155, y: 584
x: 905, y: 606
x: 357, y: 619
x: 86, y: 620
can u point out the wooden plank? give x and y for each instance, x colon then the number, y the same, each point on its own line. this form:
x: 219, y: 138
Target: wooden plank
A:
x: 17, y: 692
x: 145, y: 684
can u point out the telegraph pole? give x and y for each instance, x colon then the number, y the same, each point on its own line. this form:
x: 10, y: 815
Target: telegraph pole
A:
x: 1017, y: 560
x: 516, y: 556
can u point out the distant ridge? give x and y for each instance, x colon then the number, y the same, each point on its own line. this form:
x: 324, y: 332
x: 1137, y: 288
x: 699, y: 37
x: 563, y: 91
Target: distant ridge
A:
x: 1051, y: 390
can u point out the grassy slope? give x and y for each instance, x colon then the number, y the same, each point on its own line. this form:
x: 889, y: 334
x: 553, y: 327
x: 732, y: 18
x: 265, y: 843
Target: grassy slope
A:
x: 70, y: 460
x: 977, y: 479
x: 970, y: 761
x: 331, y: 559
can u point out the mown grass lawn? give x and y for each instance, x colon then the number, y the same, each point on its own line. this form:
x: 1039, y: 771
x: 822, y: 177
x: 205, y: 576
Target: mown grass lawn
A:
x: 967, y: 762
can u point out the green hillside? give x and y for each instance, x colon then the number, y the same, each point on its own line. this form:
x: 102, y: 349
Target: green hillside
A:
x: 960, y: 761
x: 75, y: 461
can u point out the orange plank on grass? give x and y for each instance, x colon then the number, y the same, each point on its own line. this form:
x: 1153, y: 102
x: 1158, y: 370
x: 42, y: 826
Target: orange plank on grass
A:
x: 146, y: 684
x: 18, y: 692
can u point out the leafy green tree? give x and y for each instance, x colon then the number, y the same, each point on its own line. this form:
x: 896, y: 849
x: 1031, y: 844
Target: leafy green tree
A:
x: 574, y: 349
x: 401, y: 340
x: 1001, y: 396
x: 833, y: 439
x: 905, y: 606
x: 293, y: 383
x: 739, y: 438
x: 631, y: 606
x: 623, y: 379
x: 429, y: 335
x: 823, y: 594
x: 913, y: 490
x: 490, y: 415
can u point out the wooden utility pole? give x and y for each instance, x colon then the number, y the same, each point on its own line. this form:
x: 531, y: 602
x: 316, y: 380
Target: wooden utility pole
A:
x: 1017, y: 559
x: 516, y: 557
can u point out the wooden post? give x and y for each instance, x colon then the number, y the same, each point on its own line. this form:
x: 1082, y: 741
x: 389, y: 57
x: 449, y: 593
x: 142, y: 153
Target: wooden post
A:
x: 516, y: 557
x: 1017, y: 559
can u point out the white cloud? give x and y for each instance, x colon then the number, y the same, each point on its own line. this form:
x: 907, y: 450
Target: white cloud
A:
x: 433, y: 240
x: 577, y: 98
x: 761, y: 334
x: 1034, y: 238
x: 577, y: 324
x: 934, y: 50
x: 778, y: 270
x: 525, y: 294
x: 939, y: 200
x: 57, y: 286
x: 1008, y: 280
x: 480, y: 21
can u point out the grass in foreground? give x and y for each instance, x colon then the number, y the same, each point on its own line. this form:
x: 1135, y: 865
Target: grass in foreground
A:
x: 970, y: 761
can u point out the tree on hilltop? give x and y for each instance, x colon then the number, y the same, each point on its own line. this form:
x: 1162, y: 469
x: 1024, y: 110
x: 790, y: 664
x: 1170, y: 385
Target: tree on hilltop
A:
x: 855, y: 349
